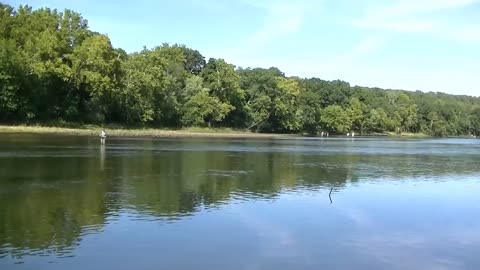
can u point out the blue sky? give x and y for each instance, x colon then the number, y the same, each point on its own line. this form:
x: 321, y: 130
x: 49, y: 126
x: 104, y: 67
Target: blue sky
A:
x: 429, y: 45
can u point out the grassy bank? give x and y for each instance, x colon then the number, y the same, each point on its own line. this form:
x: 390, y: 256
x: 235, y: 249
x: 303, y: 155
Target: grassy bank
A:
x: 408, y: 135
x: 125, y: 132
x: 117, y: 131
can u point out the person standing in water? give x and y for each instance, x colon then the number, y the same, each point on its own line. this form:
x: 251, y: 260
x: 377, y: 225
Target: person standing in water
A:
x: 103, y: 136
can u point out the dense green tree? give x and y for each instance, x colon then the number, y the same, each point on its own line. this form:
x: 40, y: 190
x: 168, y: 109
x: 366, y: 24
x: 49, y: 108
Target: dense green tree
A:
x: 356, y: 112
x: 407, y: 116
x: 11, y: 83
x: 475, y: 122
x: 154, y: 82
x: 378, y: 121
x: 53, y: 68
x: 260, y: 86
x: 331, y: 93
x: 194, y: 60
x: 201, y: 108
x: 309, y: 112
x: 94, y: 71
x: 286, y: 111
x: 224, y: 84
x: 336, y: 119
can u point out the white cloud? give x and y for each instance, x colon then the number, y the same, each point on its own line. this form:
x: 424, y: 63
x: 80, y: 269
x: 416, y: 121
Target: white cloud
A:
x: 282, y: 18
x: 471, y: 34
x: 410, y: 7
x: 405, y: 26
x: 335, y: 66
x: 419, y: 16
x: 368, y: 44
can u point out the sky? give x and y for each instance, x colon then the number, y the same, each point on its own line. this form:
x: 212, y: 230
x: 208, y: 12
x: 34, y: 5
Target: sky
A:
x: 428, y: 45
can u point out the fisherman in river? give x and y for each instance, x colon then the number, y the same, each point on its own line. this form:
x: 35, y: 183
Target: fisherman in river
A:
x: 103, y: 136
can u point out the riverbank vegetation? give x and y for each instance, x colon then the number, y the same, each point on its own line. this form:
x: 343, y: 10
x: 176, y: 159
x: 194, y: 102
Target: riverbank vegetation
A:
x: 116, y: 131
x: 53, y: 68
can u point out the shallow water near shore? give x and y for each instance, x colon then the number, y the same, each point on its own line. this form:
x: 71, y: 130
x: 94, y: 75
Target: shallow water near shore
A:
x: 66, y: 202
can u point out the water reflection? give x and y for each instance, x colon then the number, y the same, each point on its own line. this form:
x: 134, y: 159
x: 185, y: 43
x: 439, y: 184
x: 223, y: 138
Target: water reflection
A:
x: 56, y: 193
x: 102, y: 157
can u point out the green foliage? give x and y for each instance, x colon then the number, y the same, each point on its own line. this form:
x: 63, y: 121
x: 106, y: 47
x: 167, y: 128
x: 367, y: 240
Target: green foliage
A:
x: 475, y: 122
x: 10, y: 84
x: 285, y: 105
x: 378, y: 121
x: 260, y: 86
x: 357, y: 114
x: 53, y: 68
x: 154, y: 82
x: 224, y: 84
x: 201, y: 108
x: 309, y: 112
x: 335, y: 119
x: 194, y: 60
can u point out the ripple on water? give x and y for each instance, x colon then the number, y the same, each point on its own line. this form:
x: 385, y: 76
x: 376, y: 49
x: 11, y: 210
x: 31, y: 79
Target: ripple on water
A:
x: 227, y: 173
x: 243, y: 195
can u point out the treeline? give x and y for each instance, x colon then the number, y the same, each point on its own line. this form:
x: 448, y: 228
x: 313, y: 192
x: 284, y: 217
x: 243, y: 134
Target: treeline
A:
x: 53, y: 68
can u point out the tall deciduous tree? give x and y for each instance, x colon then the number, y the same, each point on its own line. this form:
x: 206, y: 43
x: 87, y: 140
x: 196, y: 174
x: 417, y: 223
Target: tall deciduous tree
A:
x: 201, y: 108
x: 154, y: 81
x: 224, y: 84
x: 335, y: 119
x: 356, y: 112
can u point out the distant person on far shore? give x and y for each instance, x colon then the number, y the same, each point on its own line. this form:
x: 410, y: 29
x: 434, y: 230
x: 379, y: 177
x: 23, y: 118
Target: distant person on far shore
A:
x: 103, y: 136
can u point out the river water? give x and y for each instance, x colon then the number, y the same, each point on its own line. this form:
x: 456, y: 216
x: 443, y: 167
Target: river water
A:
x: 300, y: 203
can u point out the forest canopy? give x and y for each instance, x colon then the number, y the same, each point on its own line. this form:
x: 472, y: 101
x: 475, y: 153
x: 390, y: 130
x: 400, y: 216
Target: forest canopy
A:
x: 54, y: 69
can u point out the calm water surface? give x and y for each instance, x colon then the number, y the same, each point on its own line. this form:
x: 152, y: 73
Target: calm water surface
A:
x: 68, y: 203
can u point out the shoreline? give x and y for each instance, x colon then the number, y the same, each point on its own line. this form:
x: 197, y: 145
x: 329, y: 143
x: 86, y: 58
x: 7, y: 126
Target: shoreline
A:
x: 181, y: 133
x: 145, y: 133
